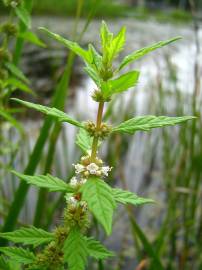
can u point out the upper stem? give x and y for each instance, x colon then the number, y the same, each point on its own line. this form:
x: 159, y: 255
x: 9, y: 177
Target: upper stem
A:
x: 98, y: 124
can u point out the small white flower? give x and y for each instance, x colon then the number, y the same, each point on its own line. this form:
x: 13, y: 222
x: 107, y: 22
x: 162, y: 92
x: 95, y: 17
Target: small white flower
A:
x: 73, y: 182
x: 72, y: 201
x: 83, y: 181
x: 106, y: 169
x: 92, y: 168
x: 79, y: 168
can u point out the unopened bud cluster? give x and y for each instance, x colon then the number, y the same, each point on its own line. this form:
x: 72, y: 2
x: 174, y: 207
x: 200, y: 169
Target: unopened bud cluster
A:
x: 76, y: 212
x: 12, y: 3
x: 51, y: 258
x: 4, y: 55
x: 3, y: 74
x: 102, y: 132
x: 9, y: 29
x: 98, y: 96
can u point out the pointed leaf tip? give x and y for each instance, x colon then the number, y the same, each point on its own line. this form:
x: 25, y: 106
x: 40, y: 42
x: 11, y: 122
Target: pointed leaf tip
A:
x: 51, y: 111
x: 45, y: 181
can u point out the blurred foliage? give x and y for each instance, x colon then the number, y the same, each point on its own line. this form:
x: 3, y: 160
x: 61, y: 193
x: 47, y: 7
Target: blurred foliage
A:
x: 172, y: 11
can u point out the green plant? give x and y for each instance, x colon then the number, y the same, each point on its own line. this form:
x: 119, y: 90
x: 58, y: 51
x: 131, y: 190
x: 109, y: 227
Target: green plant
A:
x: 11, y: 77
x: 87, y: 193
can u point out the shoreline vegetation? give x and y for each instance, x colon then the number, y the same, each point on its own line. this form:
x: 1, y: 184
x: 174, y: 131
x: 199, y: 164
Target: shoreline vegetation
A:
x: 109, y: 10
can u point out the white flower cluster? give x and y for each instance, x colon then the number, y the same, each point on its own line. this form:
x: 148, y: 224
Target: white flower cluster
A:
x: 76, y: 181
x: 86, y: 168
x: 73, y: 202
x: 92, y: 169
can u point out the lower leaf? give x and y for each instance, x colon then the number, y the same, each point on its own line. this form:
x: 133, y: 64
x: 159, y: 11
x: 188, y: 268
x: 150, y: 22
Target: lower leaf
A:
x: 100, y: 201
x: 28, y: 236
x: 97, y: 250
x: 75, y: 250
x: 19, y: 254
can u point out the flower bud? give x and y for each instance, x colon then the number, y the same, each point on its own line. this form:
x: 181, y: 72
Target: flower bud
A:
x: 9, y: 29
x: 98, y: 97
x: 4, y: 55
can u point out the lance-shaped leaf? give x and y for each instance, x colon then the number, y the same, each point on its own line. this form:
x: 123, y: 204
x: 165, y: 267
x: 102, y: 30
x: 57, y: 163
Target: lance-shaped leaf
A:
x: 97, y: 250
x: 106, y: 36
x: 100, y: 201
x: 96, y: 58
x: 4, y: 265
x: 23, y: 15
x: 124, y: 196
x: 120, y: 84
x: 83, y: 140
x: 19, y: 254
x: 17, y: 84
x: 117, y: 44
x: 146, y: 123
x: 12, y: 120
x: 32, y: 38
x: 16, y: 72
x: 75, y: 250
x: 93, y: 74
x: 29, y: 236
x: 111, y: 46
x: 140, y: 53
x: 45, y: 181
x: 59, y: 115
x: 73, y: 46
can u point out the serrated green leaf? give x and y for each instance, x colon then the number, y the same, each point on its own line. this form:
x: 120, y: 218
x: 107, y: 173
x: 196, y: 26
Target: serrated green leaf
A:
x: 45, y: 181
x: 105, y: 35
x: 9, y: 264
x: 16, y: 72
x: 83, y: 140
x: 59, y: 115
x: 117, y: 44
x: 124, y: 196
x: 4, y: 265
x: 97, y: 250
x: 16, y: 84
x: 12, y: 120
x: 32, y: 38
x: 120, y: 84
x: 96, y: 58
x: 73, y: 46
x: 19, y: 254
x: 146, y: 123
x: 100, y: 201
x: 29, y: 236
x: 140, y: 53
x: 111, y: 46
x: 23, y: 15
x: 93, y: 74
x: 75, y: 250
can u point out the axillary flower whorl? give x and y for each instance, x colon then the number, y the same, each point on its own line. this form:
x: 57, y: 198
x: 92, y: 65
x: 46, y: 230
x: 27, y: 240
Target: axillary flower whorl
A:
x: 102, y: 132
x: 86, y: 168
